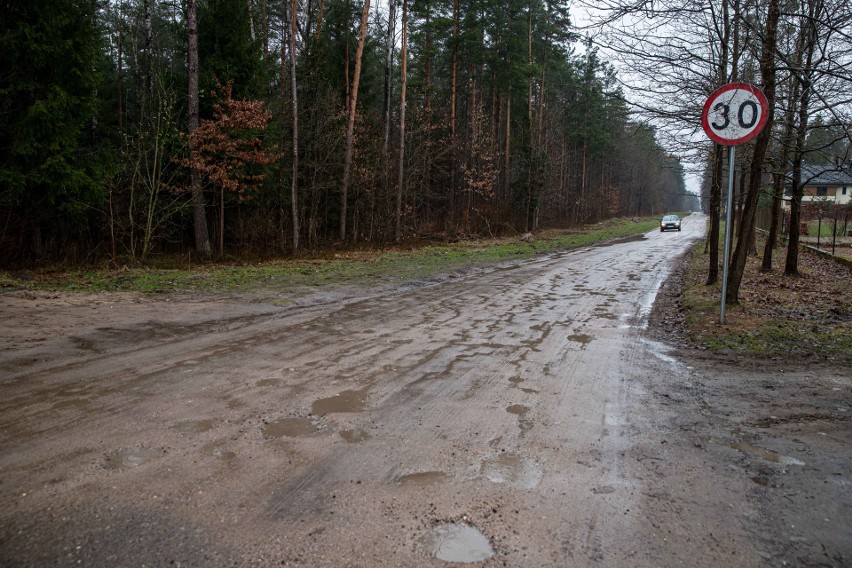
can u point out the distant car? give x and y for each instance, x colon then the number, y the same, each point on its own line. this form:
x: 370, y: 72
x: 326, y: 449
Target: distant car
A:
x: 669, y: 222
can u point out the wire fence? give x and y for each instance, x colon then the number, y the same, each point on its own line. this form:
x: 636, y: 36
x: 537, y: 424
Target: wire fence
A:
x: 824, y: 227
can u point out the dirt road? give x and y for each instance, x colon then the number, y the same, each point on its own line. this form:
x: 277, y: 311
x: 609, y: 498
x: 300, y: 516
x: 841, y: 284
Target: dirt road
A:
x: 517, y: 416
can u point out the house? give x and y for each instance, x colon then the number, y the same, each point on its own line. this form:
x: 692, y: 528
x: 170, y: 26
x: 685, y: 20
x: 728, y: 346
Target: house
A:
x: 827, y: 182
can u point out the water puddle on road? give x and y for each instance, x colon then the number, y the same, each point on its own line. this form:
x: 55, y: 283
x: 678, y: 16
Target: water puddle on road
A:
x: 346, y: 401
x: 128, y: 458
x: 513, y: 469
x: 518, y: 409
x: 193, y: 426
x: 422, y: 478
x: 453, y: 542
x: 217, y: 450
x: 581, y: 338
x: 290, y: 427
x: 621, y: 240
x: 354, y: 436
x: 766, y: 455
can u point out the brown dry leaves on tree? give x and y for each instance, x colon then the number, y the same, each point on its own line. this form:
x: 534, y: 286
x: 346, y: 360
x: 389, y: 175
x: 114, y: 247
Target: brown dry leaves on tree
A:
x: 229, y: 146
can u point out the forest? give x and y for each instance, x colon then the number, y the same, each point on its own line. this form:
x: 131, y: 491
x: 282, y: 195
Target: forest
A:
x: 134, y: 129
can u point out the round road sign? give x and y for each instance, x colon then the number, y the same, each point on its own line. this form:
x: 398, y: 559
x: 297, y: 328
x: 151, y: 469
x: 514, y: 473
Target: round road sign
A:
x: 735, y: 113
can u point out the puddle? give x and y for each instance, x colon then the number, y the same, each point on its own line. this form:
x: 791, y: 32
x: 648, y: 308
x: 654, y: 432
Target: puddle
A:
x: 516, y: 379
x: 581, y: 338
x: 529, y: 391
x: 423, y: 478
x: 224, y: 455
x: 354, y: 436
x: 765, y: 455
x: 290, y: 427
x: 602, y: 313
x: 621, y: 240
x: 346, y: 401
x: 518, y: 409
x: 452, y: 542
x: 216, y: 450
x: 193, y: 426
x: 130, y: 457
x: 513, y: 469
x: 269, y: 382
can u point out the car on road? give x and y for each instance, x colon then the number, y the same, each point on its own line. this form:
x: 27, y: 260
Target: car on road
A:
x: 669, y: 222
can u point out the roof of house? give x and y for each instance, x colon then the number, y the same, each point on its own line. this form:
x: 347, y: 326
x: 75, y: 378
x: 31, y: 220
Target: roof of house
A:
x: 826, y: 174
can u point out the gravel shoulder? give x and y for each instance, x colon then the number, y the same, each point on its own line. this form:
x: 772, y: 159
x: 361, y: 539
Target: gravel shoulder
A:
x: 779, y: 426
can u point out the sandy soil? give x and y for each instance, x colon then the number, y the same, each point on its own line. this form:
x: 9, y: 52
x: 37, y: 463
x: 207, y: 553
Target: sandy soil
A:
x: 520, y: 416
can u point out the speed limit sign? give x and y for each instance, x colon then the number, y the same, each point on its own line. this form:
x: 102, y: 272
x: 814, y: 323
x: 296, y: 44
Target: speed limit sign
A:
x: 734, y: 114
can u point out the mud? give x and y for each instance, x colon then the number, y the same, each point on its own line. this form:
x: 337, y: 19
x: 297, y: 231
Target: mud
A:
x: 525, y: 415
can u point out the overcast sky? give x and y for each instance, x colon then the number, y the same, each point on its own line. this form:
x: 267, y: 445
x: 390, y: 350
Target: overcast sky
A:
x: 584, y: 14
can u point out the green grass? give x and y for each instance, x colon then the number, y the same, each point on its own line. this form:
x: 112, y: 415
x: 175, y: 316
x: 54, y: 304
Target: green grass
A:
x: 824, y: 229
x: 347, y: 267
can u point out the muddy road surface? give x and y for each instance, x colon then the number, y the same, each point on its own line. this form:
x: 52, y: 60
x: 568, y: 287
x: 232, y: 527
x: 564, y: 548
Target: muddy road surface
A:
x: 517, y: 416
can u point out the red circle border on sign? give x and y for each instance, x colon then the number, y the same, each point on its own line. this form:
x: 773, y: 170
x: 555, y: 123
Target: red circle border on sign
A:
x: 764, y: 113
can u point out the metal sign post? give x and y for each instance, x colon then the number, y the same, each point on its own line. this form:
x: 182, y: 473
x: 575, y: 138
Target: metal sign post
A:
x: 732, y: 157
x: 733, y: 114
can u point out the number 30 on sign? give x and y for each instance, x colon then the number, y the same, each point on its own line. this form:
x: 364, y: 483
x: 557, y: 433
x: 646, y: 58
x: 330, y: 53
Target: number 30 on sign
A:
x: 734, y: 114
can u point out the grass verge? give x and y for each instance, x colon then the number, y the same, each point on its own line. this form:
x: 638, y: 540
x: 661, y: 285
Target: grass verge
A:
x: 808, y: 317
x: 361, y: 268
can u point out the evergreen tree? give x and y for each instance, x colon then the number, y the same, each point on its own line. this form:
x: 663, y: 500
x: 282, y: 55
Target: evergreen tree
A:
x: 228, y: 54
x: 49, y: 178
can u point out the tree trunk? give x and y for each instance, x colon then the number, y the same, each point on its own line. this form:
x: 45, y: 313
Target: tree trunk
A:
x: 294, y: 109
x: 221, y: 221
x: 719, y: 159
x: 807, y: 46
x: 427, y: 64
x: 779, y: 177
x: 403, y: 82
x: 148, y: 46
x: 715, y: 214
x: 265, y: 27
x: 388, y: 80
x: 507, y: 147
x: 252, y: 32
x: 454, y: 66
x: 199, y: 217
x: 350, y: 127
x: 119, y: 90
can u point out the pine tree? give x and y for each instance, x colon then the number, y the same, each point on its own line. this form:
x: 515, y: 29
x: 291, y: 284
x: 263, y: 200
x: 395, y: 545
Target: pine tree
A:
x: 49, y: 169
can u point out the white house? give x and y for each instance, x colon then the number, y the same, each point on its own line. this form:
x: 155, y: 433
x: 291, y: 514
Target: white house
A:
x: 827, y: 183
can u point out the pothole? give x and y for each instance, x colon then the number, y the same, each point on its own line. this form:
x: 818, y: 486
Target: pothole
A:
x: 765, y: 455
x: 513, y: 469
x: 518, y: 409
x: 354, y: 436
x: 581, y: 338
x: 346, y: 401
x: 422, y: 478
x: 128, y: 458
x: 453, y: 542
x: 291, y: 427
